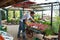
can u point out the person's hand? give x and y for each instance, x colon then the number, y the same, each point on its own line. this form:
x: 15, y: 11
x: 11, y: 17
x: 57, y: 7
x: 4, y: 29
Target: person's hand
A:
x: 27, y: 24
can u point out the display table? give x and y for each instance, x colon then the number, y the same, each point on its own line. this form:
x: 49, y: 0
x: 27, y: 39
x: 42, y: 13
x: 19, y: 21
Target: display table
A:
x: 38, y: 26
x: 6, y: 36
x: 35, y: 33
x: 51, y: 37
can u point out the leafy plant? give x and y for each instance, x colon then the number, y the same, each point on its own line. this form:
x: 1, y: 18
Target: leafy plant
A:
x: 48, y: 31
x: 56, y: 24
x: 17, y: 20
x: 36, y: 17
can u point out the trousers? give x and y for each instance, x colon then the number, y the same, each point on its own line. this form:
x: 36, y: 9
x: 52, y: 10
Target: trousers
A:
x: 21, y: 27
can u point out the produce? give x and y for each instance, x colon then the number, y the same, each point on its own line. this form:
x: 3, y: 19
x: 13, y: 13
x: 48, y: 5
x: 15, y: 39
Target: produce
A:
x: 39, y: 26
x: 43, y: 27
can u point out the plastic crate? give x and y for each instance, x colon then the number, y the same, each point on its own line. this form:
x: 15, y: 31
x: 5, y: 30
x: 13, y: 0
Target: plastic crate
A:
x: 6, y: 35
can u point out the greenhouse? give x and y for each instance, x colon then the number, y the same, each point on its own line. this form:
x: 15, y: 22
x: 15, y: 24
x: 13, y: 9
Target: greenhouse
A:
x: 30, y: 20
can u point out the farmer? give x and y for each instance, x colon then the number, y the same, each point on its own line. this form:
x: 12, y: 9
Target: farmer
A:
x: 24, y: 20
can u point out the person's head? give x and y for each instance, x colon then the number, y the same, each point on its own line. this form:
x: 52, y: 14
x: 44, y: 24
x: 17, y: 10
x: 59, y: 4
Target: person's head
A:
x: 32, y: 13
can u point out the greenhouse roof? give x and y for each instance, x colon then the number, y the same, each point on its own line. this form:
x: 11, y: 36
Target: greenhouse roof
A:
x: 45, y: 6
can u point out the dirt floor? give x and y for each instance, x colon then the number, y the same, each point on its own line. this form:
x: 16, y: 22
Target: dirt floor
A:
x: 13, y: 30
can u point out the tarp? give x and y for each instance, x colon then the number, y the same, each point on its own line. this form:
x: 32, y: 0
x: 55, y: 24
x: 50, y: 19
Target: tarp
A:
x: 24, y: 4
x: 4, y: 3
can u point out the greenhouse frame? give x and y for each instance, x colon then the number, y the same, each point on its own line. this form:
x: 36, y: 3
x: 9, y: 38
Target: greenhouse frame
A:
x: 51, y: 7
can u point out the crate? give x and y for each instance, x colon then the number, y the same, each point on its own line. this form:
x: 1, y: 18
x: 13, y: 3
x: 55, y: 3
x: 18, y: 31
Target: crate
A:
x: 6, y: 35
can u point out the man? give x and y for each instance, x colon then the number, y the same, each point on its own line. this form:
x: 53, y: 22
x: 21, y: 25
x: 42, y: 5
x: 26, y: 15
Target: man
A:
x: 27, y: 17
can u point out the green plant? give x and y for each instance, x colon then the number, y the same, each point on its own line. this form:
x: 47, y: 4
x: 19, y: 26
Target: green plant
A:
x: 9, y: 19
x: 36, y: 17
x: 17, y: 20
x: 47, y: 22
x: 48, y: 31
x: 56, y: 24
x: 3, y: 28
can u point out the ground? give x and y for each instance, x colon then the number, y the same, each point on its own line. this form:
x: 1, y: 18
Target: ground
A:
x: 13, y: 30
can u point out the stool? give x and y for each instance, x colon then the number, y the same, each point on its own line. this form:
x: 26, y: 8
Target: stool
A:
x: 51, y: 37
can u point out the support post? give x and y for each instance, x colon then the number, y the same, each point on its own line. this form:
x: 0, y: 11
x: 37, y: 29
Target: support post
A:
x: 6, y: 14
x: 51, y: 14
x: 0, y: 19
x: 13, y: 13
x: 42, y: 14
x: 59, y: 24
x: 20, y: 14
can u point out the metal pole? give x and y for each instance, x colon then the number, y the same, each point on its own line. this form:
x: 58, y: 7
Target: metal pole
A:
x: 51, y: 14
x: 0, y: 18
x: 42, y: 14
x: 20, y: 14
x: 59, y: 9
x: 59, y: 24
x: 13, y: 13
x: 6, y: 14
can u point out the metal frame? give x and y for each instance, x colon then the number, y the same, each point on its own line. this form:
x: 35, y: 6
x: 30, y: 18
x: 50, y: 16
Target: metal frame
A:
x: 6, y: 13
x: 42, y: 14
x: 59, y: 9
x: 50, y: 5
x: 45, y: 3
x: 51, y: 12
x: 13, y: 13
x: 0, y: 18
x: 59, y: 24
